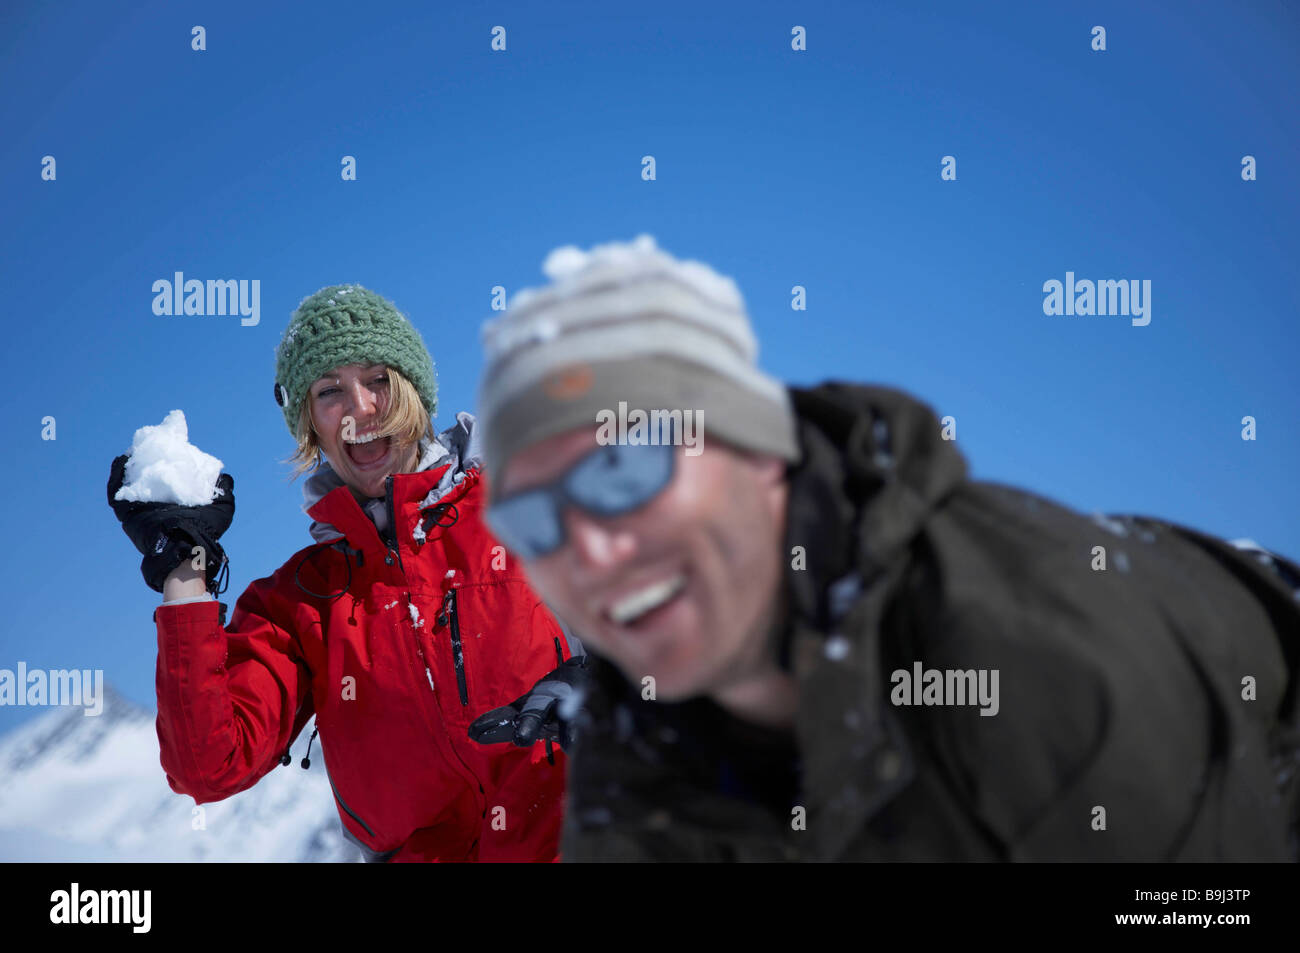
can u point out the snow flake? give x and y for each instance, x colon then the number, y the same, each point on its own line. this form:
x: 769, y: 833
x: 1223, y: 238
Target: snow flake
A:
x: 1110, y: 525
x: 837, y: 648
x: 415, y: 615
x: 570, y: 704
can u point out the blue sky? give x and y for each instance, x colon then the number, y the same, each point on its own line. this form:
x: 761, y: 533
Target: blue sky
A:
x: 819, y: 168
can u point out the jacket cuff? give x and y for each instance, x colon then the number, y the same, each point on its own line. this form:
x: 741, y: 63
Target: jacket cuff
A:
x: 176, y: 602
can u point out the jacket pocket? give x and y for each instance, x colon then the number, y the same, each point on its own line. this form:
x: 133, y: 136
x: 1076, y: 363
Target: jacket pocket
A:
x: 347, y: 810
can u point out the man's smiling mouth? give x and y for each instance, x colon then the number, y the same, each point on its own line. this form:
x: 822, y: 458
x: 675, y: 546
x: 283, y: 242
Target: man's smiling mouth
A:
x: 635, y: 605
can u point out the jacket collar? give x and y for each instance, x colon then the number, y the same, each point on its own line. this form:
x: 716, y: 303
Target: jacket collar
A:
x: 453, y: 452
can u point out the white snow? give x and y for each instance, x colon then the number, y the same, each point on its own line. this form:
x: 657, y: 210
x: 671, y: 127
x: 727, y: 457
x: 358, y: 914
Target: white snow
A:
x: 571, y: 704
x: 164, y: 467
x: 571, y: 269
x: 837, y: 648
x: 76, y: 789
x: 415, y: 615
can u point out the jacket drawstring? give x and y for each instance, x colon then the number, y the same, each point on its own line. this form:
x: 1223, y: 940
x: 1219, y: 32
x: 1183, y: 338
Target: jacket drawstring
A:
x: 222, y: 581
x: 286, y: 758
x: 306, y: 762
x: 328, y: 597
x: 433, y: 516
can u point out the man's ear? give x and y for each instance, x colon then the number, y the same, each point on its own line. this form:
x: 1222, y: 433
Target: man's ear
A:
x: 773, y: 486
x: 770, y: 469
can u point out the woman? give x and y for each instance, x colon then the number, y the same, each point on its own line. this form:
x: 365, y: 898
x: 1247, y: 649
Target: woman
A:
x: 401, y: 622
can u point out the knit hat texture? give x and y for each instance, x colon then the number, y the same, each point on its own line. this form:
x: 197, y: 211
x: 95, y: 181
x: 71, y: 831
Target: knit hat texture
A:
x: 348, y: 324
x: 627, y: 322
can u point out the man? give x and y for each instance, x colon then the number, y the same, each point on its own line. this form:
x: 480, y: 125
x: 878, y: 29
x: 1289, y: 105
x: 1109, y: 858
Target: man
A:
x: 813, y: 637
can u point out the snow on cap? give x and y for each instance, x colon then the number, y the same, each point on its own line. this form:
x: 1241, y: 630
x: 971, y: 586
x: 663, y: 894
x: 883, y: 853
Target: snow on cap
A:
x: 573, y: 270
x: 626, y: 321
x: 164, y: 467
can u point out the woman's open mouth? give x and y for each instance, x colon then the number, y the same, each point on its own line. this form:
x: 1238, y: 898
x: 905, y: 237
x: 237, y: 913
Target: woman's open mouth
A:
x: 368, y: 454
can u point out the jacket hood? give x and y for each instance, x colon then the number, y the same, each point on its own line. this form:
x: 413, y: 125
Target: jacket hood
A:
x: 874, y: 466
x: 458, y: 445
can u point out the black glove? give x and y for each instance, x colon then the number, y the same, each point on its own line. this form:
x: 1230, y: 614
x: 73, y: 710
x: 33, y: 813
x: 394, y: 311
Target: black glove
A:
x: 537, y: 713
x: 166, y: 533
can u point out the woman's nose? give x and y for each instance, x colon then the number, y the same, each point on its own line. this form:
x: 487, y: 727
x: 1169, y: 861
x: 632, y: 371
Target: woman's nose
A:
x: 363, y: 401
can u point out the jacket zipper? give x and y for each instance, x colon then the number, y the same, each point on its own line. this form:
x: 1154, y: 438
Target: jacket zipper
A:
x: 392, y: 525
x: 438, y: 725
x: 449, y: 605
x: 448, y: 618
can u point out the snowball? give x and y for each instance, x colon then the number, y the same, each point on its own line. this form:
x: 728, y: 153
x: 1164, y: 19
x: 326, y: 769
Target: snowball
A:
x: 164, y: 467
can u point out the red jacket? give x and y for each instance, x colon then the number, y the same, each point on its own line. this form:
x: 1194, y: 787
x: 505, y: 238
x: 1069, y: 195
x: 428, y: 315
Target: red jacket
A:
x: 420, y: 641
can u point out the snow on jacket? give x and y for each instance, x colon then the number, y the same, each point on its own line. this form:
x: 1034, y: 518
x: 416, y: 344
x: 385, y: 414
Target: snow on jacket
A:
x: 401, y: 624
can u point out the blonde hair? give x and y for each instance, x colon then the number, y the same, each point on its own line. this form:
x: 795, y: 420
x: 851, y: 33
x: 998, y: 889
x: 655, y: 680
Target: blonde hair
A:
x: 406, y: 419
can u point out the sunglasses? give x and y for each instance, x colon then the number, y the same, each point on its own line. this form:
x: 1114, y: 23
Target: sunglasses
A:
x: 610, y: 481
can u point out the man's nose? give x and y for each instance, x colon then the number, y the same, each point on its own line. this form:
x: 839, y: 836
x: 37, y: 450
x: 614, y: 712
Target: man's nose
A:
x: 595, y: 543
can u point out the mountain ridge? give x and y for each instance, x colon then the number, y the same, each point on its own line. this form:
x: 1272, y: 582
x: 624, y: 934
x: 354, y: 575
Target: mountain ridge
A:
x: 77, y: 788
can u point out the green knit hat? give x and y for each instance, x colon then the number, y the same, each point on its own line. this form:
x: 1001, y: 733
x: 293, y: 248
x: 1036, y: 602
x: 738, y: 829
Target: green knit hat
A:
x: 348, y: 324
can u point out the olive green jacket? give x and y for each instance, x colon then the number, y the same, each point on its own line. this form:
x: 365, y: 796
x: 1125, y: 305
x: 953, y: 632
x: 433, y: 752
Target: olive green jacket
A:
x: 1145, y: 710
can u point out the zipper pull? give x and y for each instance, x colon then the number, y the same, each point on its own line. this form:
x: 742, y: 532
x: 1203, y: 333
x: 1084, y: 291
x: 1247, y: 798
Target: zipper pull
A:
x: 445, y: 609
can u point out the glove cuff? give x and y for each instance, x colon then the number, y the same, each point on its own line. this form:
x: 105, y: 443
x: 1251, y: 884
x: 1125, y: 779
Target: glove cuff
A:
x: 178, y: 548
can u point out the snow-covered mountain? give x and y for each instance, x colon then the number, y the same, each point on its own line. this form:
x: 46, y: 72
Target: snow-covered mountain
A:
x: 74, y: 788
